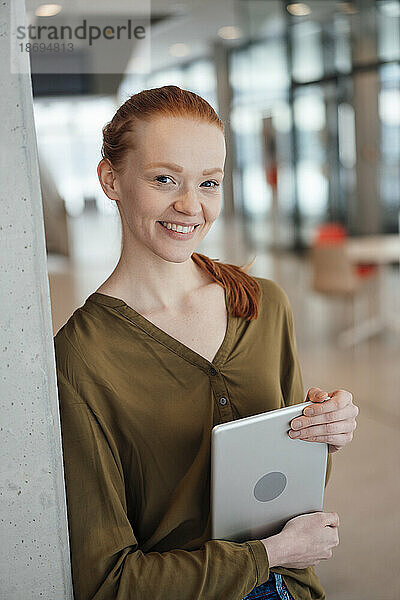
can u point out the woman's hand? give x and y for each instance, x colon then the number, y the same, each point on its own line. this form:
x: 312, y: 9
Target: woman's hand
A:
x: 304, y: 541
x: 332, y: 420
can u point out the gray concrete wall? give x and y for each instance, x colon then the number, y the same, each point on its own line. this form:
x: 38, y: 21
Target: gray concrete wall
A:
x: 34, y: 549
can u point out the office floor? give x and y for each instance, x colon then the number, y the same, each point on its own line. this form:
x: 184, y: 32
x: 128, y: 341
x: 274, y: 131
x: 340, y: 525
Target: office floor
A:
x: 365, y: 481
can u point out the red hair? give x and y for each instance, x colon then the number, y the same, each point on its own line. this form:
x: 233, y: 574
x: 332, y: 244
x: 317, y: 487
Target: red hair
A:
x: 170, y: 100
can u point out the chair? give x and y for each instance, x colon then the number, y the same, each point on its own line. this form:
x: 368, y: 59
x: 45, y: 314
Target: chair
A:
x: 336, y: 233
x: 333, y: 274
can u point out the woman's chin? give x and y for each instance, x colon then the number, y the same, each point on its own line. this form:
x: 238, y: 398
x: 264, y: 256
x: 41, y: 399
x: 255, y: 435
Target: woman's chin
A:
x: 175, y: 255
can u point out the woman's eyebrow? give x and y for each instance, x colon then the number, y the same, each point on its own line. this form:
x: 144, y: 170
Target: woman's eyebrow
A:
x: 178, y: 168
x: 214, y: 170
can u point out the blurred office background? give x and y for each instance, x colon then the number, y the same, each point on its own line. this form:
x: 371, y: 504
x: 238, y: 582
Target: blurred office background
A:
x: 310, y: 95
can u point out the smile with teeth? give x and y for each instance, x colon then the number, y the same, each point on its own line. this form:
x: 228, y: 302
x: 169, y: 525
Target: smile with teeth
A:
x: 178, y: 228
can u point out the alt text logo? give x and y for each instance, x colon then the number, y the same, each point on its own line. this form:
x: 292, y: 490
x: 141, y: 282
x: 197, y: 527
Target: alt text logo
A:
x: 82, y: 32
x: 74, y: 42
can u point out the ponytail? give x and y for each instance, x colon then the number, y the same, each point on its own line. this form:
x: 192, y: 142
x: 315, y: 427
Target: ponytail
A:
x: 242, y: 289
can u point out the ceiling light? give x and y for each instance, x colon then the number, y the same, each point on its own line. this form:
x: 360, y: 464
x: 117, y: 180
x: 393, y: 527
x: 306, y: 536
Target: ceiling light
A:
x: 230, y: 32
x: 48, y: 10
x: 348, y: 8
x: 179, y: 50
x: 298, y: 9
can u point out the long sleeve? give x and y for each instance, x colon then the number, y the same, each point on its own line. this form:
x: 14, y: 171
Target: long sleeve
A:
x: 107, y: 562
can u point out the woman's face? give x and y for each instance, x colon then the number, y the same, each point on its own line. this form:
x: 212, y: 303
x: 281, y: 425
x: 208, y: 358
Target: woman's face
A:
x: 172, y: 176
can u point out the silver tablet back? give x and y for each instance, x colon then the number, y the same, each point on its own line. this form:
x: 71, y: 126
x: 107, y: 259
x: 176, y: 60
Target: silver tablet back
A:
x: 261, y: 478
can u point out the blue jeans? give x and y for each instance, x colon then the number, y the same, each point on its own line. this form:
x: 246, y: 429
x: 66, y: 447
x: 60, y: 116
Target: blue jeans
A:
x: 273, y: 589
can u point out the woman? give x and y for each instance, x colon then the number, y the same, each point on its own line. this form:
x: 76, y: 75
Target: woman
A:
x: 169, y: 345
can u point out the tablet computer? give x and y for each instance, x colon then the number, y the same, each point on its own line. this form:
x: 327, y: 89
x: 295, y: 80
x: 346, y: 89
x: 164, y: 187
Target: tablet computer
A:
x: 261, y: 478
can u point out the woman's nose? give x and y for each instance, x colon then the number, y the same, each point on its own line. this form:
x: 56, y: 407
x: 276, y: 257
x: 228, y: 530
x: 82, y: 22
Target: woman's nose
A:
x: 188, y: 202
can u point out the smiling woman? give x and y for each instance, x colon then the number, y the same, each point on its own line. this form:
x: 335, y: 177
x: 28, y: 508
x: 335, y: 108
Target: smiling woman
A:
x: 169, y: 194
x: 171, y: 344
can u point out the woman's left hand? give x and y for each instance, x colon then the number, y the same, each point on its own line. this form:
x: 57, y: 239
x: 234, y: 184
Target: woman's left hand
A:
x: 333, y: 419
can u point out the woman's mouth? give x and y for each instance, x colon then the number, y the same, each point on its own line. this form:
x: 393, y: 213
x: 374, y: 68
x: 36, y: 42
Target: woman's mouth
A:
x: 178, y: 232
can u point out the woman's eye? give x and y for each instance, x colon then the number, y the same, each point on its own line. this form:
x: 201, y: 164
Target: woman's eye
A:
x: 162, y: 178
x: 215, y: 183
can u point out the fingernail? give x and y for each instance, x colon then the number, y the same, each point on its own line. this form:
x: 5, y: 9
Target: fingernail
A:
x: 294, y: 433
x: 309, y: 411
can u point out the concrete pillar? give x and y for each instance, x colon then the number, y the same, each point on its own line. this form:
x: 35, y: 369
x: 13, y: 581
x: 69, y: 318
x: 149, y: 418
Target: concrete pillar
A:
x: 34, y: 549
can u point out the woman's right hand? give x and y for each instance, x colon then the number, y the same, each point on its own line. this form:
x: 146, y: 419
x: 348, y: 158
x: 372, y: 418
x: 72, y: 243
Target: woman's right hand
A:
x: 304, y: 541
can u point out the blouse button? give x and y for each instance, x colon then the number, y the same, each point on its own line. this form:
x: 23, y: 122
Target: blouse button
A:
x: 223, y: 401
x: 213, y: 371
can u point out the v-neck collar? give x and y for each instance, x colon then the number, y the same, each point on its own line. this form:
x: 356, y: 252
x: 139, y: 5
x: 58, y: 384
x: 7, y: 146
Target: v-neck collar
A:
x: 168, y: 340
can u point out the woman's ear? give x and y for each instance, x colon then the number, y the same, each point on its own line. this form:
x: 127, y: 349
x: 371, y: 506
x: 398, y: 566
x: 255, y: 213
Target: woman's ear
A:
x: 107, y: 179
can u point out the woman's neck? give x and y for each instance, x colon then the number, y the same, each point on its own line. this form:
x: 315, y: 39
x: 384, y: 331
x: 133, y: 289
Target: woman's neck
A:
x: 152, y: 284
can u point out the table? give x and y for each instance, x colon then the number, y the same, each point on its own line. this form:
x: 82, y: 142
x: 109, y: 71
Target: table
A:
x: 379, y: 250
x: 374, y: 249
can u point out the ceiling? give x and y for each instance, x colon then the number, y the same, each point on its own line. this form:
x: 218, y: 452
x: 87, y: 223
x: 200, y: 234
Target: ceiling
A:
x: 192, y: 22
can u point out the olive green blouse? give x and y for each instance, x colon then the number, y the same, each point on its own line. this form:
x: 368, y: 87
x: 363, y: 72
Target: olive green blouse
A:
x: 137, y: 408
